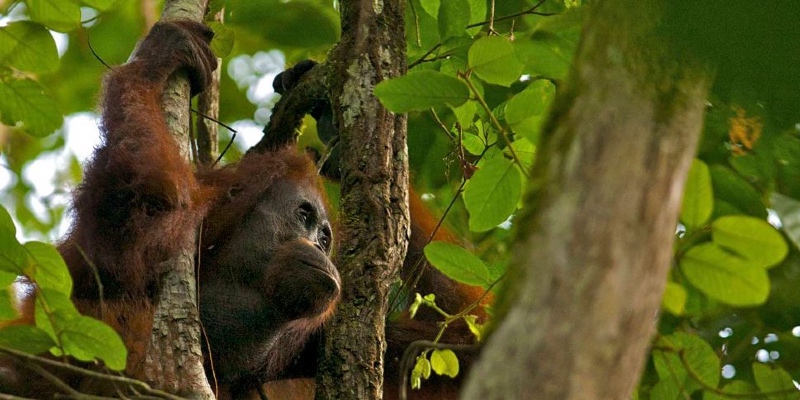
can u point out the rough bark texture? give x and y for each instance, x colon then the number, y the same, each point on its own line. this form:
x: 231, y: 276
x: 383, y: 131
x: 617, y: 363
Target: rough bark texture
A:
x: 593, y: 249
x: 374, y: 214
x: 174, y: 357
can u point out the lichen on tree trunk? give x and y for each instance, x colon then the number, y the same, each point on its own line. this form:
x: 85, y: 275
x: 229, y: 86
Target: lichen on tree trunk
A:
x: 594, y: 244
x: 374, y: 220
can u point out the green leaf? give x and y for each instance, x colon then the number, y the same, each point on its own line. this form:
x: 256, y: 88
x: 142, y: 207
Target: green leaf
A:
x: 492, y: 58
x: 99, y: 5
x: 454, y: 16
x: 527, y: 109
x: 735, y: 387
x: 13, y: 257
x: 421, y: 90
x: 431, y: 6
x: 525, y: 150
x: 54, y: 310
x: 58, y: 15
x: 546, y: 55
x: 302, y: 24
x: 222, y: 44
x: 674, y: 300
x: 725, y: 276
x: 475, y: 328
x: 736, y: 190
x: 698, y: 197
x: 47, y: 269
x: 27, y: 338
x: 28, y: 46
x: 422, y: 370
x: 86, y: 338
x: 772, y: 379
x: 23, y: 103
x: 465, y: 114
x: 666, y: 389
x: 788, y: 210
x: 8, y: 311
x: 492, y: 194
x: 444, y: 362
x: 477, y: 11
x: 752, y: 238
x: 698, y: 356
x: 457, y: 263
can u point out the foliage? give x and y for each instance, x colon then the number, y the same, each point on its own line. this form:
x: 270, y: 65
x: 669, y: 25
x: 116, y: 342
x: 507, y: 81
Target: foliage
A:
x: 477, y: 93
x: 59, y: 329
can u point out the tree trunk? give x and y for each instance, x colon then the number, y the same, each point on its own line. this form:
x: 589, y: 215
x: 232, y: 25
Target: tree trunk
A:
x: 374, y: 213
x: 174, y: 357
x: 593, y: 247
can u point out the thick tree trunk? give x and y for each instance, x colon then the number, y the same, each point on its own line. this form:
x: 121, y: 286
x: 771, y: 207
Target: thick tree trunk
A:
x: 594, y: 245
x: 374, y: 214
x: 174, y: 357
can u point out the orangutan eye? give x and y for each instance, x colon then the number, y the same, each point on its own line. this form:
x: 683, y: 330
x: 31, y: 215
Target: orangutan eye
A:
x: 305, y: 213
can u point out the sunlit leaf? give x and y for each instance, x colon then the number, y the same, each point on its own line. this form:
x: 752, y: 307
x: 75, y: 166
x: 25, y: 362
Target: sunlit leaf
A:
x: 444, y: 362
x: 58, y: 15
x: 454, y: 15
x: 457, y: 263
x: 752, y: 238
x: 47, y: 269
x: 527, y: 109
x: 492, y: 194
x: 724, y: 276
x: 674, y: 300
x: 86, y: 338
x: 28, y: 46
x: 23, y: 103
x: 698, y: 196
x: 421, y: 90
x: 492, y: 58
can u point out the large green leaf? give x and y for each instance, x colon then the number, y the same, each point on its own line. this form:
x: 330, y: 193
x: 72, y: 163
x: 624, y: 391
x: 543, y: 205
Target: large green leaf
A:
x: 100, y: 5
x: 724, y: 276
x: 12, y: 254
x: 454, y: 16
x: 773, y: 379
x: 492, y: 58
x: 674, y: 300
x: 58, y: 15
x: 527, y: 109
x: 492, y: 194
x: 697, y: 355
x: 421, y: 90
x: 27, y: 338
x: 444, y: 362
x: 735, y: 387
x: 47, y: 268
x: 737, y: 191
x: 698, y: 197
x: 86, y: 338
x: 23, y: 103
x: 28, y: 46
x: 457, y: 263
x: 752, y: 238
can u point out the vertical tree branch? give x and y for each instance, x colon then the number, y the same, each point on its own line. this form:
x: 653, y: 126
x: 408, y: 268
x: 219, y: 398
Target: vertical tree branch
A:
x: 374, y: 213
x: 592, y: 252
x: 174, y: 357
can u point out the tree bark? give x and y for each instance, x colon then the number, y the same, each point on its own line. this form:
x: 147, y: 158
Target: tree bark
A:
x: 374, y: 212
x: 594, y: 245
x: 174, y: 357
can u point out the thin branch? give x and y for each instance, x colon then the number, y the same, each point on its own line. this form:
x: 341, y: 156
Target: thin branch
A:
x: 530, y: 11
